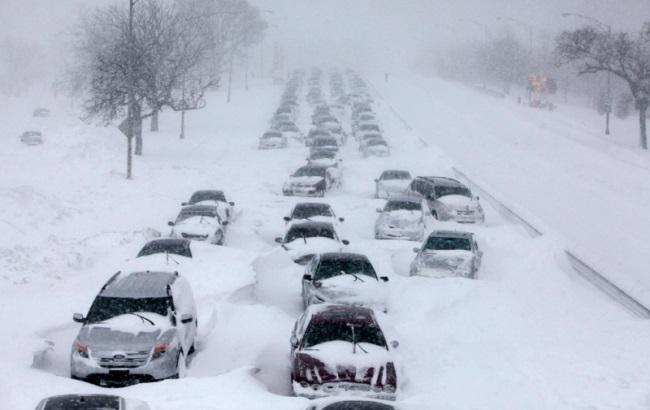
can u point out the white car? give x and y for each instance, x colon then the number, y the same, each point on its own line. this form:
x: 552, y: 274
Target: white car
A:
x: 401, y: 218
x: 225, y: 206
x: 325, y: 158
x: 312, y: 180
x: 273, y: 140
x: 31, y: 138
x: 447, y: 254
x: 200, y: 223
x: 304, y: 240
x: 448, y: 199
x: 392, y: 182
x: 343, y: 278
x: 375, y: 148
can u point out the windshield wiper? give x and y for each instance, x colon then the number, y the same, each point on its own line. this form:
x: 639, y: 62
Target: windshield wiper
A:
x: 356, y: 277
x: 354, y: 340
x: 169, y: 258
x: 144, y: 319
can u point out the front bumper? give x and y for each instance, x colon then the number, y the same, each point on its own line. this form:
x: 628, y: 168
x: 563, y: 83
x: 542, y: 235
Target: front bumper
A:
x: 316, y: 391
x: 116, y: 374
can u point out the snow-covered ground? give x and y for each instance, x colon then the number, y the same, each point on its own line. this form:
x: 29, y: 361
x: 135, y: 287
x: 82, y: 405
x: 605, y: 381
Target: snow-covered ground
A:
x: 525, y: 335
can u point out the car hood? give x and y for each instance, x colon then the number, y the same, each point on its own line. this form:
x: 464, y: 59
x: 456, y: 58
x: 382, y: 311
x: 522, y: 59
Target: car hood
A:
x: 348, y: 290
x: 451, y: 260
x: 458, y: 201
x: 304, y: 181
x: 127, y: 333
x: 365, y: 363
x: 197, y: 226
x: 400, y: 219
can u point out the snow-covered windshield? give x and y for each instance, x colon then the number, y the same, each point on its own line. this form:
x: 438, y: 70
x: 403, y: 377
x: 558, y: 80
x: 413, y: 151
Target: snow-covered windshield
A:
x: 311, y: 172
x: 207, y: 196
x: 369, y: 127
x: 452, y: 190
x: 104, y: 308
x: 176, y: 247
x: 322, y: 154
x: 395, y: 175
x: 308, y: 211
x: 186, y: 213
x: 272, y: 134
x: 328, y: 268
x: 448, y: 244
x: 402, y: 206
x: 309, y: 231
x: 374, y: 142
x: 322, y: 332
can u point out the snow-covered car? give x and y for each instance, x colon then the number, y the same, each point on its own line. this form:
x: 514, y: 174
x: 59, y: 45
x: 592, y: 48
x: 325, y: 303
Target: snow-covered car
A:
x: 225, y: 205
x: 343, y: 278
x: 329, y: 143
x: 324, y: 157
x: 280, y: 118
x: 315, y: 133
x: 90, y: 402
x: 305, y: 239
x: 401, y: 218
x: 167, y: 246
x: 448, y: 199
x: 273, y: 140
x: 341, y: 350
x: 447, y: 254
x: 31, y: 138
x: 290, y: 130
x: 366, y: 128
x: 392, y: 182
x: 375, y: 148
x: 351, y: 403
x: 41, y: 112
x: 311, y: 180
x: 199, y: 223
x: 140, y: 327
x: 313, y: 211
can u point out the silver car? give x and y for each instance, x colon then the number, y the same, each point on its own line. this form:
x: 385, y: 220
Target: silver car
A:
x: 448, y: 199
x: 447, y: 254
x: 392, y: 182
x: 401, y: 218
x: 141, y: 327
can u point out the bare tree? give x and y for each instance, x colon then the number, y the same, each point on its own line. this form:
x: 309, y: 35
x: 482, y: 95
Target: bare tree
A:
x: 595, y: 50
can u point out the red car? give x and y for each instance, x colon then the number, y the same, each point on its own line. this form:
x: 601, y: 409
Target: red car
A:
x: 337, y: 349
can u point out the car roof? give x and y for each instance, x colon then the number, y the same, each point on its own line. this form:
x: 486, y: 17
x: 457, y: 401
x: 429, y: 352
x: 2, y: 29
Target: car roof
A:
x: 143, y: 284
x: 208, y: 191
x: 443, y: 181
x: 451, y: 234
x: 314, y: 166
x: 404, y: 198
x: 75, y: 400
x: 200, y: 208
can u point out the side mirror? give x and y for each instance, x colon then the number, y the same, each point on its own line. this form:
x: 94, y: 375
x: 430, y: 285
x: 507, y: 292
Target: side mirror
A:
x: 231, y: 203
x: 307, y: 277
x: 416, y: 250
x: 378, y: 210
x: 345, y: 242
x: 186, y: 318
x: 278, y: 240
x: 294, y: 341
x: 79, y: 318
x: 287, y: 218
x: 394, y: 344
x: 170, y: 223
x: 384, y: 278
x: 341, y: 219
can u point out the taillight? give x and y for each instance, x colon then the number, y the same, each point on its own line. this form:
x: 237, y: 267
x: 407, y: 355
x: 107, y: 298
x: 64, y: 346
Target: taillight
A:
x: 82, y: 349
x: 160, y: 350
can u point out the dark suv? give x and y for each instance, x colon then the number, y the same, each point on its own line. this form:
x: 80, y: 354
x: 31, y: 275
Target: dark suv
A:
x: 448, y: 199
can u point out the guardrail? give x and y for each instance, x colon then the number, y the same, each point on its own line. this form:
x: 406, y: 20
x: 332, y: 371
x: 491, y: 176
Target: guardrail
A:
x: 585, y: 271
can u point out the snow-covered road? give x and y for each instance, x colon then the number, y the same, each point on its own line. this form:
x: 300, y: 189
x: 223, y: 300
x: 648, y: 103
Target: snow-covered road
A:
x: 525, y: 335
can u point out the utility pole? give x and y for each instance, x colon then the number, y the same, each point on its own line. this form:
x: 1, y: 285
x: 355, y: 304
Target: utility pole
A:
x: 131, y: 91
x: 608, y: 29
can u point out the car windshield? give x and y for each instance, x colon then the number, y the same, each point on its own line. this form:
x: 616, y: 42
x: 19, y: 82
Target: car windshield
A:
x: 402, y: 206
x: 271, y: 135
x: 311, y: 231
x: 322, y: 332
x: 311, y: 172
x: 395, y: 175
x: 90, y: 402
x: 207, y: 196
x: 187, y: 213
x: 322, y: 154
x: 376, y: 141
x: 369, y: 127
x: 330, y: 268
x: 358, y: 405
x: 104, y: 308
x: 308, y: 211
x: 452, y: 190
x: 436, y: 243
x: 32, y: 134
x: 325, y: 142
x: 176, y: 247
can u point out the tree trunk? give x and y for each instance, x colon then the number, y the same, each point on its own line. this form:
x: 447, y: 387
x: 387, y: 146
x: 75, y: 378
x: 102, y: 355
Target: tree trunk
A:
x: 230, y: 78
x: 182, y: 125
x: 154, y: 121
x: 643, y: 111
x: 138, y: 136
x: 129, y: 157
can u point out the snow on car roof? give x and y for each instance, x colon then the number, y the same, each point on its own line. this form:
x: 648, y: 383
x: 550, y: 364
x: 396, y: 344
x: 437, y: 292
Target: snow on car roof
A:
x: 334, y: 312
x: 451, y: 234
x: 139, y: 284
x: 342, y: 256
x: 444, y: 181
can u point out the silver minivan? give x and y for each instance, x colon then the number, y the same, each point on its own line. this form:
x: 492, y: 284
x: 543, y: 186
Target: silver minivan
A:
x: 141, y: 327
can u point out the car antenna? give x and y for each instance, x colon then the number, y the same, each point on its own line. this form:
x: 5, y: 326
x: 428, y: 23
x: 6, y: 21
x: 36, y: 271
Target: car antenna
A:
x: 354, y: 340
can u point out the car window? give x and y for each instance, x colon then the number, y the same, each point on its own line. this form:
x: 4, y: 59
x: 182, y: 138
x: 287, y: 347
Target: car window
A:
x: 322, y: 332
x: 104, y: 308
x: 311, y: 172
x: 187, y: 213
x: 448, y: 244
x: 298, y: 232
x: 393, y: 205
x: 88, y: 402
x: 442, y: 190
x: 329, y: 268
x: 180, y: 248
x: 308, y: 211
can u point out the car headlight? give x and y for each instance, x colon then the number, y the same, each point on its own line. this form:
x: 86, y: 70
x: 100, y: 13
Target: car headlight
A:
x: 81, y: 349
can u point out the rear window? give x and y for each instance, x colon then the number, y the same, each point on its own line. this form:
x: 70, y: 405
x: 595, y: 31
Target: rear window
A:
x: 208, y: 196
x: 308, y: 211
x: 175, y: 247
x: 330, y: 268
x: 298, y: 232
x: 448, y: 244
x: 322, y: 332
x: 395, y: 175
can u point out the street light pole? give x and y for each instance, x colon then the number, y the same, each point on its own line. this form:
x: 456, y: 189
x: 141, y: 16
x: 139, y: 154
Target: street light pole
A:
x: 607, y: 28
x: 131, y: 95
